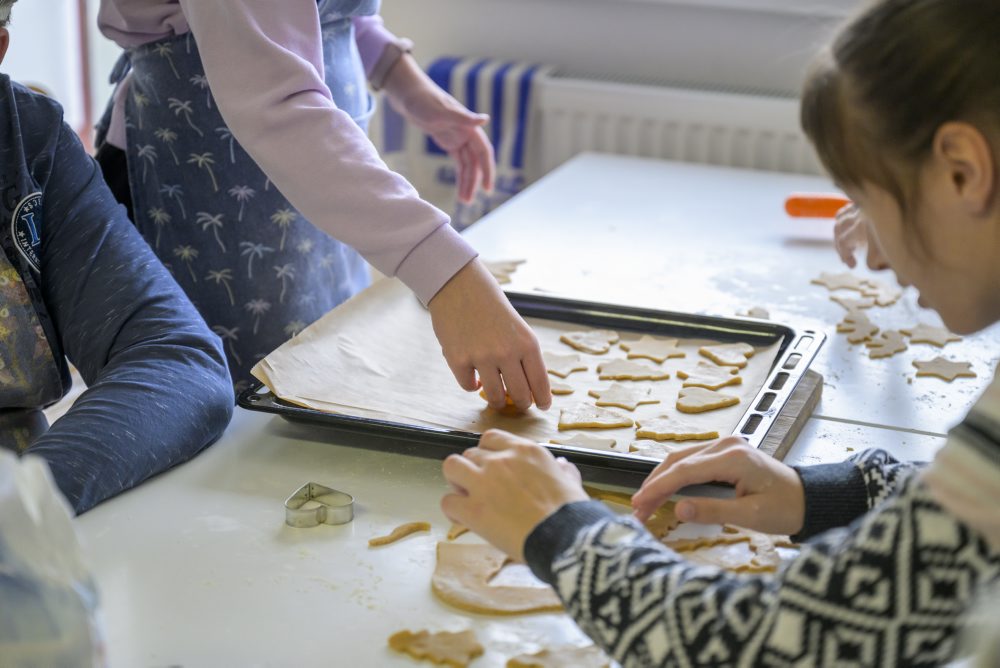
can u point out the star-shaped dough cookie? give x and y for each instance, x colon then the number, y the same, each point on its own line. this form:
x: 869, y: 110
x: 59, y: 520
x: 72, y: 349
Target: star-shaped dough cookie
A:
x: 666, y: 428
x: 710, y: 376
x: 938, y: 336
x: 502, y: 269
x: 595, y: 342
x: 944, y: 369
x: 658, y: 350
x: 443, y: 648
x: 590, y: 442
x: 728, y: 354
x: 844, y: 281
x: 858, y: 327
x: 560, y: 388
x: 853, y: 304
x: 624, y: 396
x: 883, y: 293
x: 887, y: 344
x: 700, y: 400
x: 585, y: 416
x: 629, y: 370
x: 563, y: 365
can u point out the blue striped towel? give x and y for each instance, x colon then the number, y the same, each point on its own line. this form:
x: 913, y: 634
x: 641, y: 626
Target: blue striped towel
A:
x: 501, y: 89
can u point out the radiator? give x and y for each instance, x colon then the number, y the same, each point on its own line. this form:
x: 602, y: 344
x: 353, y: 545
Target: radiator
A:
x: 572, y: 115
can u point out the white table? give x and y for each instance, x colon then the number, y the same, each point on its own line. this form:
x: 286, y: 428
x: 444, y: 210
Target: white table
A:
x: 196, y: 568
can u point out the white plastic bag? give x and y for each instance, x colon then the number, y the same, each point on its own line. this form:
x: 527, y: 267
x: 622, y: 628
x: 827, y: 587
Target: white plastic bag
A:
x: 48, y: 602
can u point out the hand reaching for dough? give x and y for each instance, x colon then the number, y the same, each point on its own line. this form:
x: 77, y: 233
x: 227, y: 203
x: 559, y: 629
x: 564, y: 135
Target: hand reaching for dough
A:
x: 505, y: 487
x: 480, y: 331
x: 769, y: 495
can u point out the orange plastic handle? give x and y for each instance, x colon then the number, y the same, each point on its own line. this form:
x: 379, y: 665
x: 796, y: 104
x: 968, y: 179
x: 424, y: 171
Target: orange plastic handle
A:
x: 815, y: 205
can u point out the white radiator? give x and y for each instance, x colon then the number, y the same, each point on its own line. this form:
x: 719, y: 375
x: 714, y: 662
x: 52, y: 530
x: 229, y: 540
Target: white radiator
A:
x: 572, y: 115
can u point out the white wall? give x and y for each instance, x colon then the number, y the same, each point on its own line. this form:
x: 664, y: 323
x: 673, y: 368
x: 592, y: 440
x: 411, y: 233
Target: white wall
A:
x: 699, y: 42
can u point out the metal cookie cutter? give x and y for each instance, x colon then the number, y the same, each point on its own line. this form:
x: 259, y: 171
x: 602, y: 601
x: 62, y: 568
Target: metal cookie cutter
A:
x: 328, y: 506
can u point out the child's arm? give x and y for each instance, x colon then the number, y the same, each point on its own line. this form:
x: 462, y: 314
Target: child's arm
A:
x: 891, y: 589
x: 159, y: 390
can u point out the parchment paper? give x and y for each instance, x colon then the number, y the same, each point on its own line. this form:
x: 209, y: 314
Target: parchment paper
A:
x: 376, y: 356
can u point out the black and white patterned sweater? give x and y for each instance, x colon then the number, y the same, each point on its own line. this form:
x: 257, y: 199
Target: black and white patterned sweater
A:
x: 888, y: 581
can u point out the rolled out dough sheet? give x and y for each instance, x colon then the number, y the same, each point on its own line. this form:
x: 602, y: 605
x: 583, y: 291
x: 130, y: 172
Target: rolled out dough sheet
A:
x: 376, y: 356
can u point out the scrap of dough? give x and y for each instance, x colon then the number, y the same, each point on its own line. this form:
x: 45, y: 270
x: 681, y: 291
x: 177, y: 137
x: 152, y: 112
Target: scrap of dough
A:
x: 585, y: 416
x: 729, y: 354
x: 756, y: 312
x: 560, y: 388
x: 944, y: 369
x: 938, y: 336
x: 457, y: 530
x: 650, y: 348
x: 589, y: 656
x: 666, y: 428
x: 764, y: 548
x: 710, y: 376
x: 887, y: 344
x: 443, y: 648
x: 402, y: 531
x: 883, y: 294
x: 563, y: 365
x: 700, y: 400
x: 596, y: 342
x: 853, y: 304
x: 502, y: 270
x: 624, y: 396
x: 844, y: 281
x: 589, y: 442
x: 462, y: 576
x: 628, y: 370
x: 651, y: 449
x: 660, y: 523
x: 858, y: 327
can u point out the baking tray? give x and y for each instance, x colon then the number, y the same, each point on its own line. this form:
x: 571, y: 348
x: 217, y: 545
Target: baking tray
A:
x: 796, y: 352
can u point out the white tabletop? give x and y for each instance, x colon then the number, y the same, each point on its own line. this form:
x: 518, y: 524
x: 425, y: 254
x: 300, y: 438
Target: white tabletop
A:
x: 197, y: 568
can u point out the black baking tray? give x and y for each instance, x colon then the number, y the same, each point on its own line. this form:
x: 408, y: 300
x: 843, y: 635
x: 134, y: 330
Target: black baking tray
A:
x: 796, y: 352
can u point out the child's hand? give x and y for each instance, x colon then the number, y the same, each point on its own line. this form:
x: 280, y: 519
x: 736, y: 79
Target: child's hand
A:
x: 505, y: 487
x: 851, y: 232
x: 769, y: 494
x: 480, y: 331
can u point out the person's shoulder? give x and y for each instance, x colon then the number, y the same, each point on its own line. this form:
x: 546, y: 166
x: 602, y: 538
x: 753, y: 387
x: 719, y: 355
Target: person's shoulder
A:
x: 31, y: 109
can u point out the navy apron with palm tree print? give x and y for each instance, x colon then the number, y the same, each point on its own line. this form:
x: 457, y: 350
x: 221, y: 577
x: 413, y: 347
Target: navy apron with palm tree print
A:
x: 253, y: 266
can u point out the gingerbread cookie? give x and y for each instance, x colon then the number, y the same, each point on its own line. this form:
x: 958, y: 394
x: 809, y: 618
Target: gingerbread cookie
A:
x: 858, y: 327
x: 443, y: 648
x: 883, y: 294
x: 728, y: 354
x: 624, y: 396
x: 560, y: 388
x: 629, y: 370
x: 944, y: 369
x: 589, y: 442
x: 844, y: 281
x: 563, y: 365
x: 710, y: 376
x: 936, y: 336
x: 595, y: 342
x: 502, y: 270
x: 853, y: 304
x: 887, y: 344
x: 585, y: 416
x: 666, y: 428
x: 589, y: 656
x: 658, y: 350
x: 700, y: 400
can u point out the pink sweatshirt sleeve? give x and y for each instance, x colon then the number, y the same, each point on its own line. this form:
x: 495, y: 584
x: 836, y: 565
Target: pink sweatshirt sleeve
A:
x: 264, y: 63
x: 371, y: 36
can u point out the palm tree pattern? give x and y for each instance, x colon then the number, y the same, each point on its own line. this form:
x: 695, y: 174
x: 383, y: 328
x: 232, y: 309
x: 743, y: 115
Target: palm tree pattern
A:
x: 254, y: 267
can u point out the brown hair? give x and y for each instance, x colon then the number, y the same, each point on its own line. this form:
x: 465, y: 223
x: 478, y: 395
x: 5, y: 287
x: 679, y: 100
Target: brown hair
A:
x: 875, y: 98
